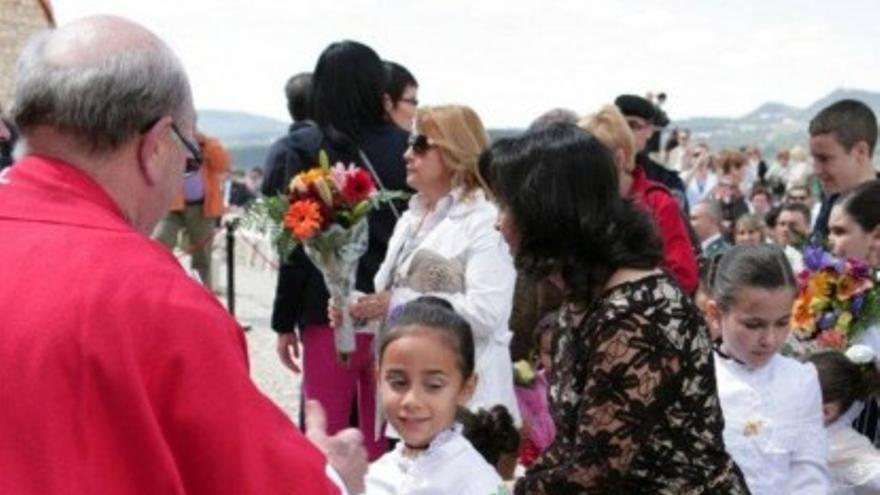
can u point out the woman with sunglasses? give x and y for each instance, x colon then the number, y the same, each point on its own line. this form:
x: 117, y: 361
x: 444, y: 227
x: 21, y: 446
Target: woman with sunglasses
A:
x: 446, y: 245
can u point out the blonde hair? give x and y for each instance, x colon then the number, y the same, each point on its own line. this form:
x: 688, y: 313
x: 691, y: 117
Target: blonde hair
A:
x: 460, y: 137
x: 609, y: 126
x: 751, y: 221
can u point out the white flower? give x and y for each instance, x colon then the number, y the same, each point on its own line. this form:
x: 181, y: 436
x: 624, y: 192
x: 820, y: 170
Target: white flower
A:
x: 860, y: 354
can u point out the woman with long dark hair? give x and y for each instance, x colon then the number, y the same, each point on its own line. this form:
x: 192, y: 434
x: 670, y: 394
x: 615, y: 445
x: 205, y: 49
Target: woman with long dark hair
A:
x: 348, y: 88
x: 632, y: 386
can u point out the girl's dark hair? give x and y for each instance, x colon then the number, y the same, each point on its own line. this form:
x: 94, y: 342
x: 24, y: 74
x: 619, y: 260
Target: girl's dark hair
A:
x: 764, y: 267
x: 863, y: 205
x: 438, y: 315
x: 398, y: 78
x: 347, y: 88
x: 560, y: 185
x: 844, y: 381
x: 491, y: 432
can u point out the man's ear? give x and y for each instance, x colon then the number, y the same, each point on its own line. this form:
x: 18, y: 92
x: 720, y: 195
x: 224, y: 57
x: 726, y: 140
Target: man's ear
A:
x: 149, y: 150
x: 860, y: 152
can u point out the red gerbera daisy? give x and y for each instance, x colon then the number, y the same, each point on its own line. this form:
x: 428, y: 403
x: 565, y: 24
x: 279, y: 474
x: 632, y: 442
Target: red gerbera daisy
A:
x: 358, y: 186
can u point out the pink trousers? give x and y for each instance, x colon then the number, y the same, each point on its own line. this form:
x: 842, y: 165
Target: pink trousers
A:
x: 337, y: 387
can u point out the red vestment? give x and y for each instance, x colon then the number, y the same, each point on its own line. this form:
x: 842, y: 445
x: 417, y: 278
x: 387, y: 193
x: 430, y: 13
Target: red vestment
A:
x: 118, y: 373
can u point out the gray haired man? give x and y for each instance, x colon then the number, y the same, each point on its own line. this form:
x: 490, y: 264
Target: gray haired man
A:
x: 119, y: 373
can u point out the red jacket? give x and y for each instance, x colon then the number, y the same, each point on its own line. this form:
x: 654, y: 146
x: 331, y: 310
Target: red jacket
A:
x: 679, y: 258
x: 118, y: 373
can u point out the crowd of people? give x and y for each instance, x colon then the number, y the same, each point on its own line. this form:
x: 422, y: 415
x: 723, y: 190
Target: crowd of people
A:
x: 582, y: 308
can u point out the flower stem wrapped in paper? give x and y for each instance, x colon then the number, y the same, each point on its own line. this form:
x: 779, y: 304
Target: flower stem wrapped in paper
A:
x: 326, y: 212
x: 837, y: 300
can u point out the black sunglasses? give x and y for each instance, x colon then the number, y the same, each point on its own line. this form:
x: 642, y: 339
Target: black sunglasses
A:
x: 420, y: 143
x: 194, y: 162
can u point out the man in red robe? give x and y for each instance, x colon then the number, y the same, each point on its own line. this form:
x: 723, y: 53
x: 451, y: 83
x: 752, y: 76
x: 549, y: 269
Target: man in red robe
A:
x: 118, y: 373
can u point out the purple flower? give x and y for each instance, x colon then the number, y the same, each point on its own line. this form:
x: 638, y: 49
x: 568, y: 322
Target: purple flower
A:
x: 814, y: 258
x: 827, y: 320
x: 857, y: 303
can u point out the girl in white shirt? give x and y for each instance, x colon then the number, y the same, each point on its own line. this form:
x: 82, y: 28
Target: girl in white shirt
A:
x: 772, y: 404
x: 426, y: 374
x: 847, y: 380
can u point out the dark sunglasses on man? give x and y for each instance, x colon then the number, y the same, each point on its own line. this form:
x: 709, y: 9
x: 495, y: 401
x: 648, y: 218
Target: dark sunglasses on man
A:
x: 194, y: 162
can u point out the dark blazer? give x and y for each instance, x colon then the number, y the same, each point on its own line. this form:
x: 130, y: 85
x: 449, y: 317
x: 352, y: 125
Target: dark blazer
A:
x: 301, y: 296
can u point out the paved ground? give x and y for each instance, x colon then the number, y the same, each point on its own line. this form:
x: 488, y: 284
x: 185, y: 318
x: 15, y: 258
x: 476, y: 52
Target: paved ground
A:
x: 255, y: 288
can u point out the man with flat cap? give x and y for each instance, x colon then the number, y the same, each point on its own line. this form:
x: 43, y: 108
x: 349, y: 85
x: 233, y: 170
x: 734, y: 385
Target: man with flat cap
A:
x: 640, y: 115
x: 118, y: 373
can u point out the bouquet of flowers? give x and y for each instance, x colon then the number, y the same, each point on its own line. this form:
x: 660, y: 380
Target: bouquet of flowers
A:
x: 837, y: 300
x: 325, y: 212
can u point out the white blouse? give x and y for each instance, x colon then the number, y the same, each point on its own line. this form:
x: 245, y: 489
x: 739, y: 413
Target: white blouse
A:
x: 451, y: 465
x: 854, y: 461
x: 773, y: 426
x: 463, y: 230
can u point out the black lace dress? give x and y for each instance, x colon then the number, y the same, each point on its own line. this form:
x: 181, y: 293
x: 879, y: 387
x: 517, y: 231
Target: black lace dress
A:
x: 633, y: 396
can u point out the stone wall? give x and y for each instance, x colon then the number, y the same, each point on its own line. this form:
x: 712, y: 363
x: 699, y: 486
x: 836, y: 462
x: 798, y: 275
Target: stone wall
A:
x: 19, y: 19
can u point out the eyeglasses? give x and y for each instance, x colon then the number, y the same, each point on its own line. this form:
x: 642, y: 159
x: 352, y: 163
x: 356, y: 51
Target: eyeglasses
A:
x: 194, y: 162
x: 420, y: 144
x: 412, y: 101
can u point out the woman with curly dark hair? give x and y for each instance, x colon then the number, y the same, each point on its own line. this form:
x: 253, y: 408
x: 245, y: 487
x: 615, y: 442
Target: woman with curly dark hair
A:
x: 632, y: 386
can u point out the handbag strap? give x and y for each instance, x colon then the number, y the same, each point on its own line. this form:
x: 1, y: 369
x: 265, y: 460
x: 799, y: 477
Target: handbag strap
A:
x: 378, y: 180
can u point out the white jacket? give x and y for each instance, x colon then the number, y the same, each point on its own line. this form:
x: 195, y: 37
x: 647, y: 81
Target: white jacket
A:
x: 773, y: 425
x: 467, y: 234
x: 451, y: 465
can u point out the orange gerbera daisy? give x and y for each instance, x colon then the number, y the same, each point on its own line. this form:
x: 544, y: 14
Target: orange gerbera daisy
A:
x: 303, y: 218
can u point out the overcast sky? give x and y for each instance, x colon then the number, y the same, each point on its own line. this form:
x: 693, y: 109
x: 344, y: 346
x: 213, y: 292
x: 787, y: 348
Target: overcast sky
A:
x: 511, y: 60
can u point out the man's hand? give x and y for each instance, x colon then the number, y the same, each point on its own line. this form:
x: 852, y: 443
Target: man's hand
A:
x: 288, y: 350
x: 345, y: 451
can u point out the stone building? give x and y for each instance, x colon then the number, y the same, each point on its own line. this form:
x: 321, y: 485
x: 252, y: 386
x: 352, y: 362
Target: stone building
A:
x: 19, y: 19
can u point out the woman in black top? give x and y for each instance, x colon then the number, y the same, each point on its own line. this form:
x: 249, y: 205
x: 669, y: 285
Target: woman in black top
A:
x: 632, y: 388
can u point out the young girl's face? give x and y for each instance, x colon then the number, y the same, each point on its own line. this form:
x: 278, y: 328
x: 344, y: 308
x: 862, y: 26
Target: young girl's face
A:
x: 422, y: 385
x: 849, y: 239
x: 756, y: 325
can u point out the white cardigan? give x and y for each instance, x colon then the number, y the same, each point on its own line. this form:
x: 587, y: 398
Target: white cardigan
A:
x: 773, y: 425
x: 467, y: 233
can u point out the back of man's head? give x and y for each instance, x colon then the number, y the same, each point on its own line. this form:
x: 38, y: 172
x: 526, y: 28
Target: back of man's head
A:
x: 298, y: 91
x: 849, y: 121
x: 99, y: 80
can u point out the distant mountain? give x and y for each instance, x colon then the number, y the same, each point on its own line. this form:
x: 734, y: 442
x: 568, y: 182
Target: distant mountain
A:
x: 237, y: 129
x: 771, y: 125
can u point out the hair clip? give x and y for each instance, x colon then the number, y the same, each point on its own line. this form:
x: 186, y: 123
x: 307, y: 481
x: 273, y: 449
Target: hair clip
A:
x: 860, y: 354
